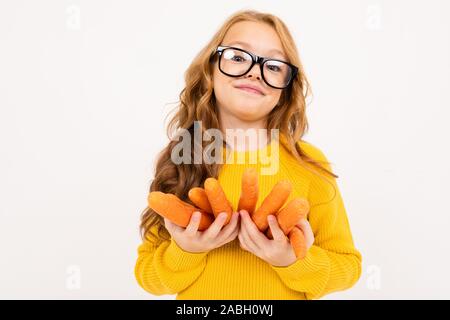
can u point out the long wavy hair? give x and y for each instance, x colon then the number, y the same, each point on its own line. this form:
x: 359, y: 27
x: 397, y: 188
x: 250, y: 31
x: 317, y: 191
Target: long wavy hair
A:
x: 197, y: 103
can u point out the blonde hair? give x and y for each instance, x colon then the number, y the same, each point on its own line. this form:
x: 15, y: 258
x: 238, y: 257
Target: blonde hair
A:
x: 197, y: 103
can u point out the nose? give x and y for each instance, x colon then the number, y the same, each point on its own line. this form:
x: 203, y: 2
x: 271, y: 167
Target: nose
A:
x: 255, y: 72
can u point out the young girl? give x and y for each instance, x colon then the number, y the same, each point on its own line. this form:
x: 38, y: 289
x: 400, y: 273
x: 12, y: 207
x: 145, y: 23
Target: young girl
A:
x: 249, y: 76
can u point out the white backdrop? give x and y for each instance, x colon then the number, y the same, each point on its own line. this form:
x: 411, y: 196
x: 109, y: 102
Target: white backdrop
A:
x: 84, y: 89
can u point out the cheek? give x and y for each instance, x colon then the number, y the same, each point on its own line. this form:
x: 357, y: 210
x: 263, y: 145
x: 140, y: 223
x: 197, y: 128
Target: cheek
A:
x: 222, y: 89
x: 217, y: 81
x: 269, y: 101
x: 273, y: 97
x: 230, y: 99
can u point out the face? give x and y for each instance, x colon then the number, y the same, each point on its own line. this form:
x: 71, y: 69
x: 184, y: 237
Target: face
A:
x: 262, y: 40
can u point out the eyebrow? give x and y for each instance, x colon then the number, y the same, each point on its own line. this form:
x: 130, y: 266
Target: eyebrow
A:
x: 245, y: 44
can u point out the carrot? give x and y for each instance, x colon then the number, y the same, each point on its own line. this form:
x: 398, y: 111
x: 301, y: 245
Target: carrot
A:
x: 271, y: 204
x: 173, y: 208
x: 200, y: 199
x: 217, y: 199
x: 297, y: 239
x: 291, y: 214
x: 249, y: 191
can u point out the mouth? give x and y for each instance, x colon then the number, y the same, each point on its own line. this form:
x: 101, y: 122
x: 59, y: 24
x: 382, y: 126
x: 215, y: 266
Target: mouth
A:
x: 250, y: 90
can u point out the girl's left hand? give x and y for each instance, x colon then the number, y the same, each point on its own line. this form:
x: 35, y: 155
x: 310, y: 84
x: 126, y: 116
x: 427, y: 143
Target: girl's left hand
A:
x: 278, y: 252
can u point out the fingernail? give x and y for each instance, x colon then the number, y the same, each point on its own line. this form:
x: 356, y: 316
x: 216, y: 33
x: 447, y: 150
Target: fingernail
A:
x: 196, y: 215
x: 223, y: 215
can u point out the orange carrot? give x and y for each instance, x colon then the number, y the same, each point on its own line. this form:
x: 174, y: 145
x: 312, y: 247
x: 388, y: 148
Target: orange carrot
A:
x: 297, y: 239
x: 290, y: 215
x: 200, y: 199
x: 271, y: 204
x: 217, y: 199
x: 249, y: 191
x: 173, y: 208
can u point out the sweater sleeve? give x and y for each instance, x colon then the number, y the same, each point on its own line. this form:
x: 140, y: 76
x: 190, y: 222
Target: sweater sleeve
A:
x: 166, y: 268
x: 332, y: 263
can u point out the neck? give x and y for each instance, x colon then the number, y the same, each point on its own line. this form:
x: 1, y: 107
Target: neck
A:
x: 254, y: 133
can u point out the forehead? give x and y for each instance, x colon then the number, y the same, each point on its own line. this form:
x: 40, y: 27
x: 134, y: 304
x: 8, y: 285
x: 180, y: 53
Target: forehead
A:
x: 257, y: 37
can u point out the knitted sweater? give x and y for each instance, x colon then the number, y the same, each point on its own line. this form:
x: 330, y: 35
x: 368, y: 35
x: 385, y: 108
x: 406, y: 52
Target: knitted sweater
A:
x: 229, y: 272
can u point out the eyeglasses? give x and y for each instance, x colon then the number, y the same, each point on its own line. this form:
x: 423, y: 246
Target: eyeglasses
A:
x: 236, y: 62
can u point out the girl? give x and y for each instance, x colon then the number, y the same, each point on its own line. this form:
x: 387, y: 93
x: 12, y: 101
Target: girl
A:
x: 248, y: 77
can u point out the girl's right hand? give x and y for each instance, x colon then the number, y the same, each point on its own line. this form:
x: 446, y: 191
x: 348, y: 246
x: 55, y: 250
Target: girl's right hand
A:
x: 191, y: 240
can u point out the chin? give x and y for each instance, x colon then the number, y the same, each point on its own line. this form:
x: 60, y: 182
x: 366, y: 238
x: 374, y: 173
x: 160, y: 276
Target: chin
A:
x: 247, y: 105
x: 248, y: 115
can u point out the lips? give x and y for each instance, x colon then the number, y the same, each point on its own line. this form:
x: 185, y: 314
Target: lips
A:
x: 250, y: 88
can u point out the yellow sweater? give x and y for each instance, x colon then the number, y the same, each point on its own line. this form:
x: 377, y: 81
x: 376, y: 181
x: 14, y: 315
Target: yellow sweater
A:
x: 229, y: 272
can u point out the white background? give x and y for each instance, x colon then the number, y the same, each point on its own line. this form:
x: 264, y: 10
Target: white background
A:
x: 85, y: 87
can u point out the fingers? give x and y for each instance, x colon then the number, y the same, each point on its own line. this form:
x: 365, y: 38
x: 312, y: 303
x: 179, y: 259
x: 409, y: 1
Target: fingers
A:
x: 277, y: 233
x: 193, y: 225
x: 215, y: 227
x: 305, y: 227
x: 247, y: 239
x: 242, y: 242
x: 249, y: 245
x: 230, y: 227
x: 170, y: 226
x: 251, y: 229
x: 231, y: 237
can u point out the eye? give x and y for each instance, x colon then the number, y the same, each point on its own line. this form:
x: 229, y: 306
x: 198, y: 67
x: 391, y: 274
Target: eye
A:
x: 238, y: 58
x: 235, y: 56
x: 274, y: 68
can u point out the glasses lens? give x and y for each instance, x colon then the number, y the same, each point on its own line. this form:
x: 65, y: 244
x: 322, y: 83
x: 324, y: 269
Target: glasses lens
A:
x: 277, y: 73
x: 235, y: 62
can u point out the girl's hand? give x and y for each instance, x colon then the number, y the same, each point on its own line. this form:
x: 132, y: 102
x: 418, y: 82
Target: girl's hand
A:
x: 192, y: 240
x: 278, y: 252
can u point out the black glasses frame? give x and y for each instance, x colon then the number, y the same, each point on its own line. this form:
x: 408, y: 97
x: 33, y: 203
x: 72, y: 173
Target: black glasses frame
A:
x: 256, y: 59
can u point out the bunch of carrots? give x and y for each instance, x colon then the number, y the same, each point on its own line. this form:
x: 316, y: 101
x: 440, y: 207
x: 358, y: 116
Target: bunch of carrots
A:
x: 211, y: 201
